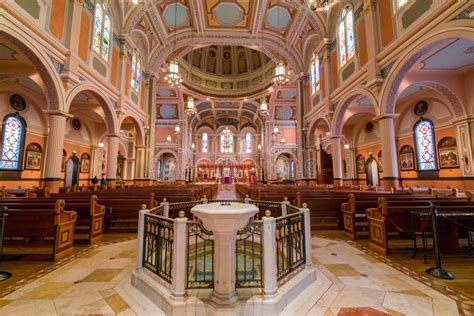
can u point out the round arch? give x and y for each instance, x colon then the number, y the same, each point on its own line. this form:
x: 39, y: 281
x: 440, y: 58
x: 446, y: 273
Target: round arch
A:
x: 111, y: 121
x: 52, y: 81
x: 389, y: 92
x: 138, y: 127
x: 158, y: 156
x: 312, y: 128
x: 338, y: 121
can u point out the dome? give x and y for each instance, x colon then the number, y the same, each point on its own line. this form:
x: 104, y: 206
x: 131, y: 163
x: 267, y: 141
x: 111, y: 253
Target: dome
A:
x: 227, y: 70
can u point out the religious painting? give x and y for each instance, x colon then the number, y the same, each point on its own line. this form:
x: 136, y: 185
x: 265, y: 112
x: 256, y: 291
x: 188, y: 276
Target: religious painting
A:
x: 407, y: 160
x: 379, y: 158
x: 360, y: 164
x: 34, y: 154
x: 63, y: 162
x: 85, y: 163
x: 448, y: 153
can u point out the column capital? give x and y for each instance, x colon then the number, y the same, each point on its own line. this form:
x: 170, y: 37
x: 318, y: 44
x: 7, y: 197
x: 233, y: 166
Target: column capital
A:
x: 59, y: 113
x: 386, y: 117
x: 112, y: 136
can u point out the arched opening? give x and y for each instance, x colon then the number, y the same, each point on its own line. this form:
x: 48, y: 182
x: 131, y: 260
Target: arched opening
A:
x: 372, y: 170
x: 71, y: 176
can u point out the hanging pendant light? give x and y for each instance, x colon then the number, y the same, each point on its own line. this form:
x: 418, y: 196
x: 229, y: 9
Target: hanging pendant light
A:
x: 263, y: 109
x: 280, y: 74
x: 172, y: 76
x: 190, y: 106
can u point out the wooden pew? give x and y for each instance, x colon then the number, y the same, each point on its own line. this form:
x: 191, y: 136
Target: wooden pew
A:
x: 90, y: 214
x: 44, y: 221
x: 395, y: 216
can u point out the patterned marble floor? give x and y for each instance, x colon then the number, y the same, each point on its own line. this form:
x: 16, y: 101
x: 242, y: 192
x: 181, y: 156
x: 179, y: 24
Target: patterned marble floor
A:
x: 226, y: 192
x: 98, y: 282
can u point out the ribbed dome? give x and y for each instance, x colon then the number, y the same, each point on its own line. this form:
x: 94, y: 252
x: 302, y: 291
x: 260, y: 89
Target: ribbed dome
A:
x: 226, y: 60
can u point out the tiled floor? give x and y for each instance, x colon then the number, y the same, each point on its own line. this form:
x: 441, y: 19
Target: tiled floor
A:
x: 98, y: 282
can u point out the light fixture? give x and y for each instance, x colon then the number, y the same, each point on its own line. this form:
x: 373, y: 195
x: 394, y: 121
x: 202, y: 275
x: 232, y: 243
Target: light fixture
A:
x: 276, y: 130
x: 135, y: 1
x: 101, y: 145
x: 177, y: 129
x: 259, y: 147
x: 190, y: 106
x: 193, y: 147
x: 280, y: 76
x: 168, y: 138
x: 172, y: 76
x: 263, y: 110
x: 282, y: 140
x: 346, y: 146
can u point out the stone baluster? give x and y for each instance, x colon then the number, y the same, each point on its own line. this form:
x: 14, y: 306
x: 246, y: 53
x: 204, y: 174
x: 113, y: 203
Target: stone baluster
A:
x: 270, y: 283
x: 166, y: 208
x: 307, y: 236
x: 141, y: 237
x: 178, y: 272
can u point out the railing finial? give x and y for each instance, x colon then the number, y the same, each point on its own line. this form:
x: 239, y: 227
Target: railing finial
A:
x: 181, y: 214
x: 143, y: 206
x: 268, y: 213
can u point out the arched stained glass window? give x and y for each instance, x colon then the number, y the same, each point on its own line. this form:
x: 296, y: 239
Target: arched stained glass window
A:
x: 248, y: 143
x: 136, y: 72
x: 205, y: 143
x: 227, y: 141
x: 13, y: 137
x: 102, y: 31
x: 346, y: 36
x: 425, y: 145
x: 315, y: 75
x: 158, y: 170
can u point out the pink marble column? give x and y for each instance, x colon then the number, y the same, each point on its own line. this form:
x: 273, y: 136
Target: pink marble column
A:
x: 112, y: 152
x: 54, y: 150
x: 389, y: 152
x: 336, y: 160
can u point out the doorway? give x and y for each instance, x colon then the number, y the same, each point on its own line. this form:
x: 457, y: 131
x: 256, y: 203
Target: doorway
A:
x: 71, y: 177
x: 372, y: 172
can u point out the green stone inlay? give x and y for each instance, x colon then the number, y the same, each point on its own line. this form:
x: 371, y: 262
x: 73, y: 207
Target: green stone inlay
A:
x: 99, y: 66
x: 30, y: 6
x: 415, y: 11
x: 349, y: 70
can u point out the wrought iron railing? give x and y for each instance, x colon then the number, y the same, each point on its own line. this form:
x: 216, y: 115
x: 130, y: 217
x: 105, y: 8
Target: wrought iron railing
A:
x: 158, y: 246
x: 175, y: 208
x: 200, y: 260
x: 158, y: 210
x: 249, y: 256
x: 263, y: 206
x: 290, y: 242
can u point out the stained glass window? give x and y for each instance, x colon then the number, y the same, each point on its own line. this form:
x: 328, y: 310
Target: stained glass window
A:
x: 425, y: 146
x: 227, y: 141
x: 292, y: 169
x: 102, y: 31
x: 315, y: 75
x: 12, y: 142
x: 158, y: 169
x: 136, y: 72
x: 98, y: 27
x: 205, y: 143
x: 248, y: 143
x: 346, y: 36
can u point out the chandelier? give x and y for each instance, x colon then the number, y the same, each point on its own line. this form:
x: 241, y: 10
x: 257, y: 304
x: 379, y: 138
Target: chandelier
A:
x: 263, y: 110
x: 280, y: 75
x: 190, y: 106
x: 172, y: 76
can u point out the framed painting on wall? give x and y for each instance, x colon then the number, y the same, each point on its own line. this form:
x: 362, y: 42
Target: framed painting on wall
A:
x: 34, y: 153
x: 85, y: 163
x: 360, y: 164
x: 407, y: 158
x: 448, y: 153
